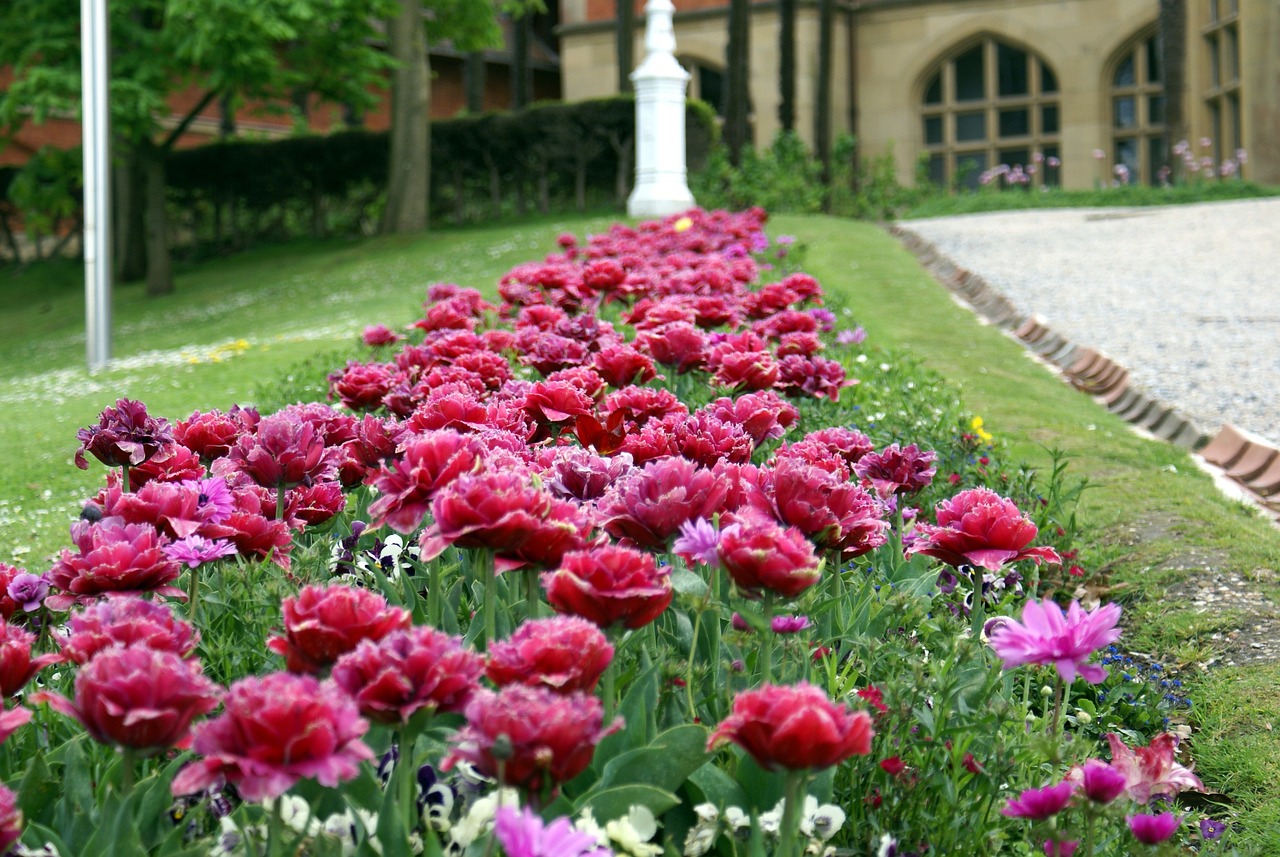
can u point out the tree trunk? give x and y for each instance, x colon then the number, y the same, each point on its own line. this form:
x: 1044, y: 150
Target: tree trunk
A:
x: 129, y: 220
x: 1171, y: 38
x: 626, y: 43
x: 473, y: 78
x: 737, y: 96
x: 822, y: 109
x: 227, y: 116
x: 408, y: 183
x: 159, y: 267
x: 521, y: 30
x: 787, y: 64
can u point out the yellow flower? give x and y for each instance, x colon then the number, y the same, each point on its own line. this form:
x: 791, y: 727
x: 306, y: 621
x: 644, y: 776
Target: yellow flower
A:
x: 976, y: 425
x: 682, y: 224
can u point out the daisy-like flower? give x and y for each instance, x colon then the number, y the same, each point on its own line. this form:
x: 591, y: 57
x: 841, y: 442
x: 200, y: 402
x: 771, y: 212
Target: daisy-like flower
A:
x: 698, y: 541
x: 1048, y: 637
x: 523, y: 834
x: 197, y: 550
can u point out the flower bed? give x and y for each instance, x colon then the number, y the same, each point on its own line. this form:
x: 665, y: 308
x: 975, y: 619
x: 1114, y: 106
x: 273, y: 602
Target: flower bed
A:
x: 650, y: 558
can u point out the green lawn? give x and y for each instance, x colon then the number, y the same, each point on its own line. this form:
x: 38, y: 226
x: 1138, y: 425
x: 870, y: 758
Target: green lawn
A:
x: 1147, y: 507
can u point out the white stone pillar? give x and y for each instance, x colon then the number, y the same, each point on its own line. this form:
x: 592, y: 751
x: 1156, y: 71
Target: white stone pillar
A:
x: 660, y: 83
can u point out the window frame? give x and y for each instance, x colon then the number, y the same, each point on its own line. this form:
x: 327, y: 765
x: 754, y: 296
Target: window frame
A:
x: 1143, y: 133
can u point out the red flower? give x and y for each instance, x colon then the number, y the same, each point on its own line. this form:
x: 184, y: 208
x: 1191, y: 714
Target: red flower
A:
x: 140, y: 698
x: 549, y: 737
x: 832, y: 512
x: 706, y: 440
x: 407, y: 671
x: 760, y: 555
x: 312, y: 505
x: 812, y: 376
x: 621, y: 365
x: 551, y: 404
x: 874, y: 696
x: 564, y: 529
x: 376, y: 335
x: 639, y: 405
x: 680, y: 346
x: 125, y: 436
x: 565, y: 654
x: 321, y: 625
x: 10, y: 819
x: 649, y: 506
x: 429, y: 462
x: 258, y: 537
x: 764, y: 415
x: 172, y: 508
x: 113, y: 557
x: 495, y: 510
x: 610, y: 585
x: 126, y: 621
x: 745, y: 370
x: 979, y: 527
x: 361, y: 386
x: 17, y: 667
x: 893, y: 765
x: 275, y: 731
x: 795, y: 727
x: 7, y: 573
x: 285, y: 450
x: 211, y: 435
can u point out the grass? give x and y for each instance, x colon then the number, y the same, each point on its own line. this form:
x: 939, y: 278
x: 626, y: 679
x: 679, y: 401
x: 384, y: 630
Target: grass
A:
x: 998, y: 199
x: 1147, y: 507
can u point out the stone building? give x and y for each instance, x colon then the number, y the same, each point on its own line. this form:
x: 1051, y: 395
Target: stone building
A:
x: 954, y: 88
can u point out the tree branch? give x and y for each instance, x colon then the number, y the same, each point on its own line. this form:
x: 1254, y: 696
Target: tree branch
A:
x: 188, y: 119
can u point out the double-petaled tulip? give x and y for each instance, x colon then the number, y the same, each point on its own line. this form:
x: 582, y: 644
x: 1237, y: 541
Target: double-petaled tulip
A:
x: 761, y: 556
x: 797, y: 727
x: 322, y: 624
x: 649, y: 505
x: 17, y: 667
x: 408, y: 671
x: 494, y: 510
x: 274, y: 731
x: 211, y: 435
x: 610, y: 585
x: 979, y: 527
x: 897, y: 469
x: 545, y: 738
x: 10, y: 819
x: 125, y: 436
x: 565, y: 654
x: 429, y: 462
x: 284, y: 451
x: 126, y: 621
x: 834, y: 513
x: 138, y: 698
x: 113, y: 557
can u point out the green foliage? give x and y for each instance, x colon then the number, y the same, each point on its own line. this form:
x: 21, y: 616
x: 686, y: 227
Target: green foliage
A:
x: 47, y: 191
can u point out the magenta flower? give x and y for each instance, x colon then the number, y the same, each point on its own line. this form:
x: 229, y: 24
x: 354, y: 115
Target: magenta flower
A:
x: 522, y: 833
x: 124, y: 436
x: 1151, y: 771
x: 1100, y: 782
x: 113, y: 557
x: 10, y: 819
x: 1153, y: 829
x: 563, y: 653
x: 140, y: 698
x: 376, y: 335
x: 323, y: 623
x: 126, y: 621
x: 197, y: 550
x: 795, y: 727
x: 274, y: 731
x: 284, y: 451
x: 789, y: 624
x: 1047, y: 637
x: 758, y: 555
x: 897, y: 470
x: 407, y: 671
x: 851, y: 337
x: 648, y: 506
x: 430, y: 461
x: 17, y: 667
x: 979, y: 527
x: 1039, y: 804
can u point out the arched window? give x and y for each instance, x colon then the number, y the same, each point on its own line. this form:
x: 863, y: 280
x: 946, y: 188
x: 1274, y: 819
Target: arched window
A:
x: 706, y: 82
x: 990, y: 103
x: 1137, y: 110
x: 1222, y: 35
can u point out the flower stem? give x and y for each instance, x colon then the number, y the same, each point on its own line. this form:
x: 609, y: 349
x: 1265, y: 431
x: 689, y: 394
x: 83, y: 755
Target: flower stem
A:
x: 128, y: 767
x: 193, y: 592
x: 688, y: 676
x: 490, y: 596
x: 793, y: 801
x: 124, y: 478
x: 766, y: 647
x: 435, y: 604
x: 978, y: 612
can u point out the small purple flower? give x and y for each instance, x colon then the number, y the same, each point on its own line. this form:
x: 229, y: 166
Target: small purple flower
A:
x: 1210, y: 829
x: 851, y: 337
x: 789, y: 624
x: 826, y: 319
x: 523, y: 834
x: 739, y: 623
x: 197, y: 550
x: 216, y: 503
x: 699, y: 540
x: 28, y: 590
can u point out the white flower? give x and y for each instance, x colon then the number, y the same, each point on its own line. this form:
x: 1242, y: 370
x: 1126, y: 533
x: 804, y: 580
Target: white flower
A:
x: 771, y: 821
x: 738, y: 822
x: 587, y: 824
x: 888, y: 846
x: 821, y: 821
x: 707, y: 812
x: 631, y: 835
x: 479, y: 818
x: 438, y: 814
x: 699, y: 839
x: 294, y: 812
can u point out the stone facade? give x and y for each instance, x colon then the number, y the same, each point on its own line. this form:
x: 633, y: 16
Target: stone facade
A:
x: 956, y: 87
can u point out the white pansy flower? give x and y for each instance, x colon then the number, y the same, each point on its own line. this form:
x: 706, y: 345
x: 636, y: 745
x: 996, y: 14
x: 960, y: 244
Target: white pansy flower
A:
x: 588, y: 825
x: 631, y: 834
x: 738, y: 822
x: 294, y: 812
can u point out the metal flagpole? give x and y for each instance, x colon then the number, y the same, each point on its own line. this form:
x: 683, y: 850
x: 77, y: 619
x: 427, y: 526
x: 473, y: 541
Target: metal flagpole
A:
x: 95, y: 127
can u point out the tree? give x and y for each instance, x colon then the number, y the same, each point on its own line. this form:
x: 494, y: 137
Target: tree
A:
x: 787, y: 64
x: 822, y: 111
x: 469, y: 25
x: 185, y: 54
x: 626, y: 43
x: 738, y: 72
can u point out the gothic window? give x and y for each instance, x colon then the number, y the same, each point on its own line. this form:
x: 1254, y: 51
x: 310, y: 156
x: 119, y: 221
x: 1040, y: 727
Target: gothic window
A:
x: 1137, y: 110
x: 989, y: 103
x: 1222, y: 38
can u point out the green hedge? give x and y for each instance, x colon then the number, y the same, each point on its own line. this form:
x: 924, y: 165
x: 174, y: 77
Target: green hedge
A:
x: 550, y: 157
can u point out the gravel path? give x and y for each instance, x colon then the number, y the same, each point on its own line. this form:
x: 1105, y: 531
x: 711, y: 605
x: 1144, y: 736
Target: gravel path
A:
x: 1186, y: 297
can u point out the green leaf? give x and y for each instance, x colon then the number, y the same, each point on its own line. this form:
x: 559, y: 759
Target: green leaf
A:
x: 716, y: 787
x: 38, y: 790
x: 688, y: 583
x: 641, y: 698
x: 609, y: 804
x: 665, y: 763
